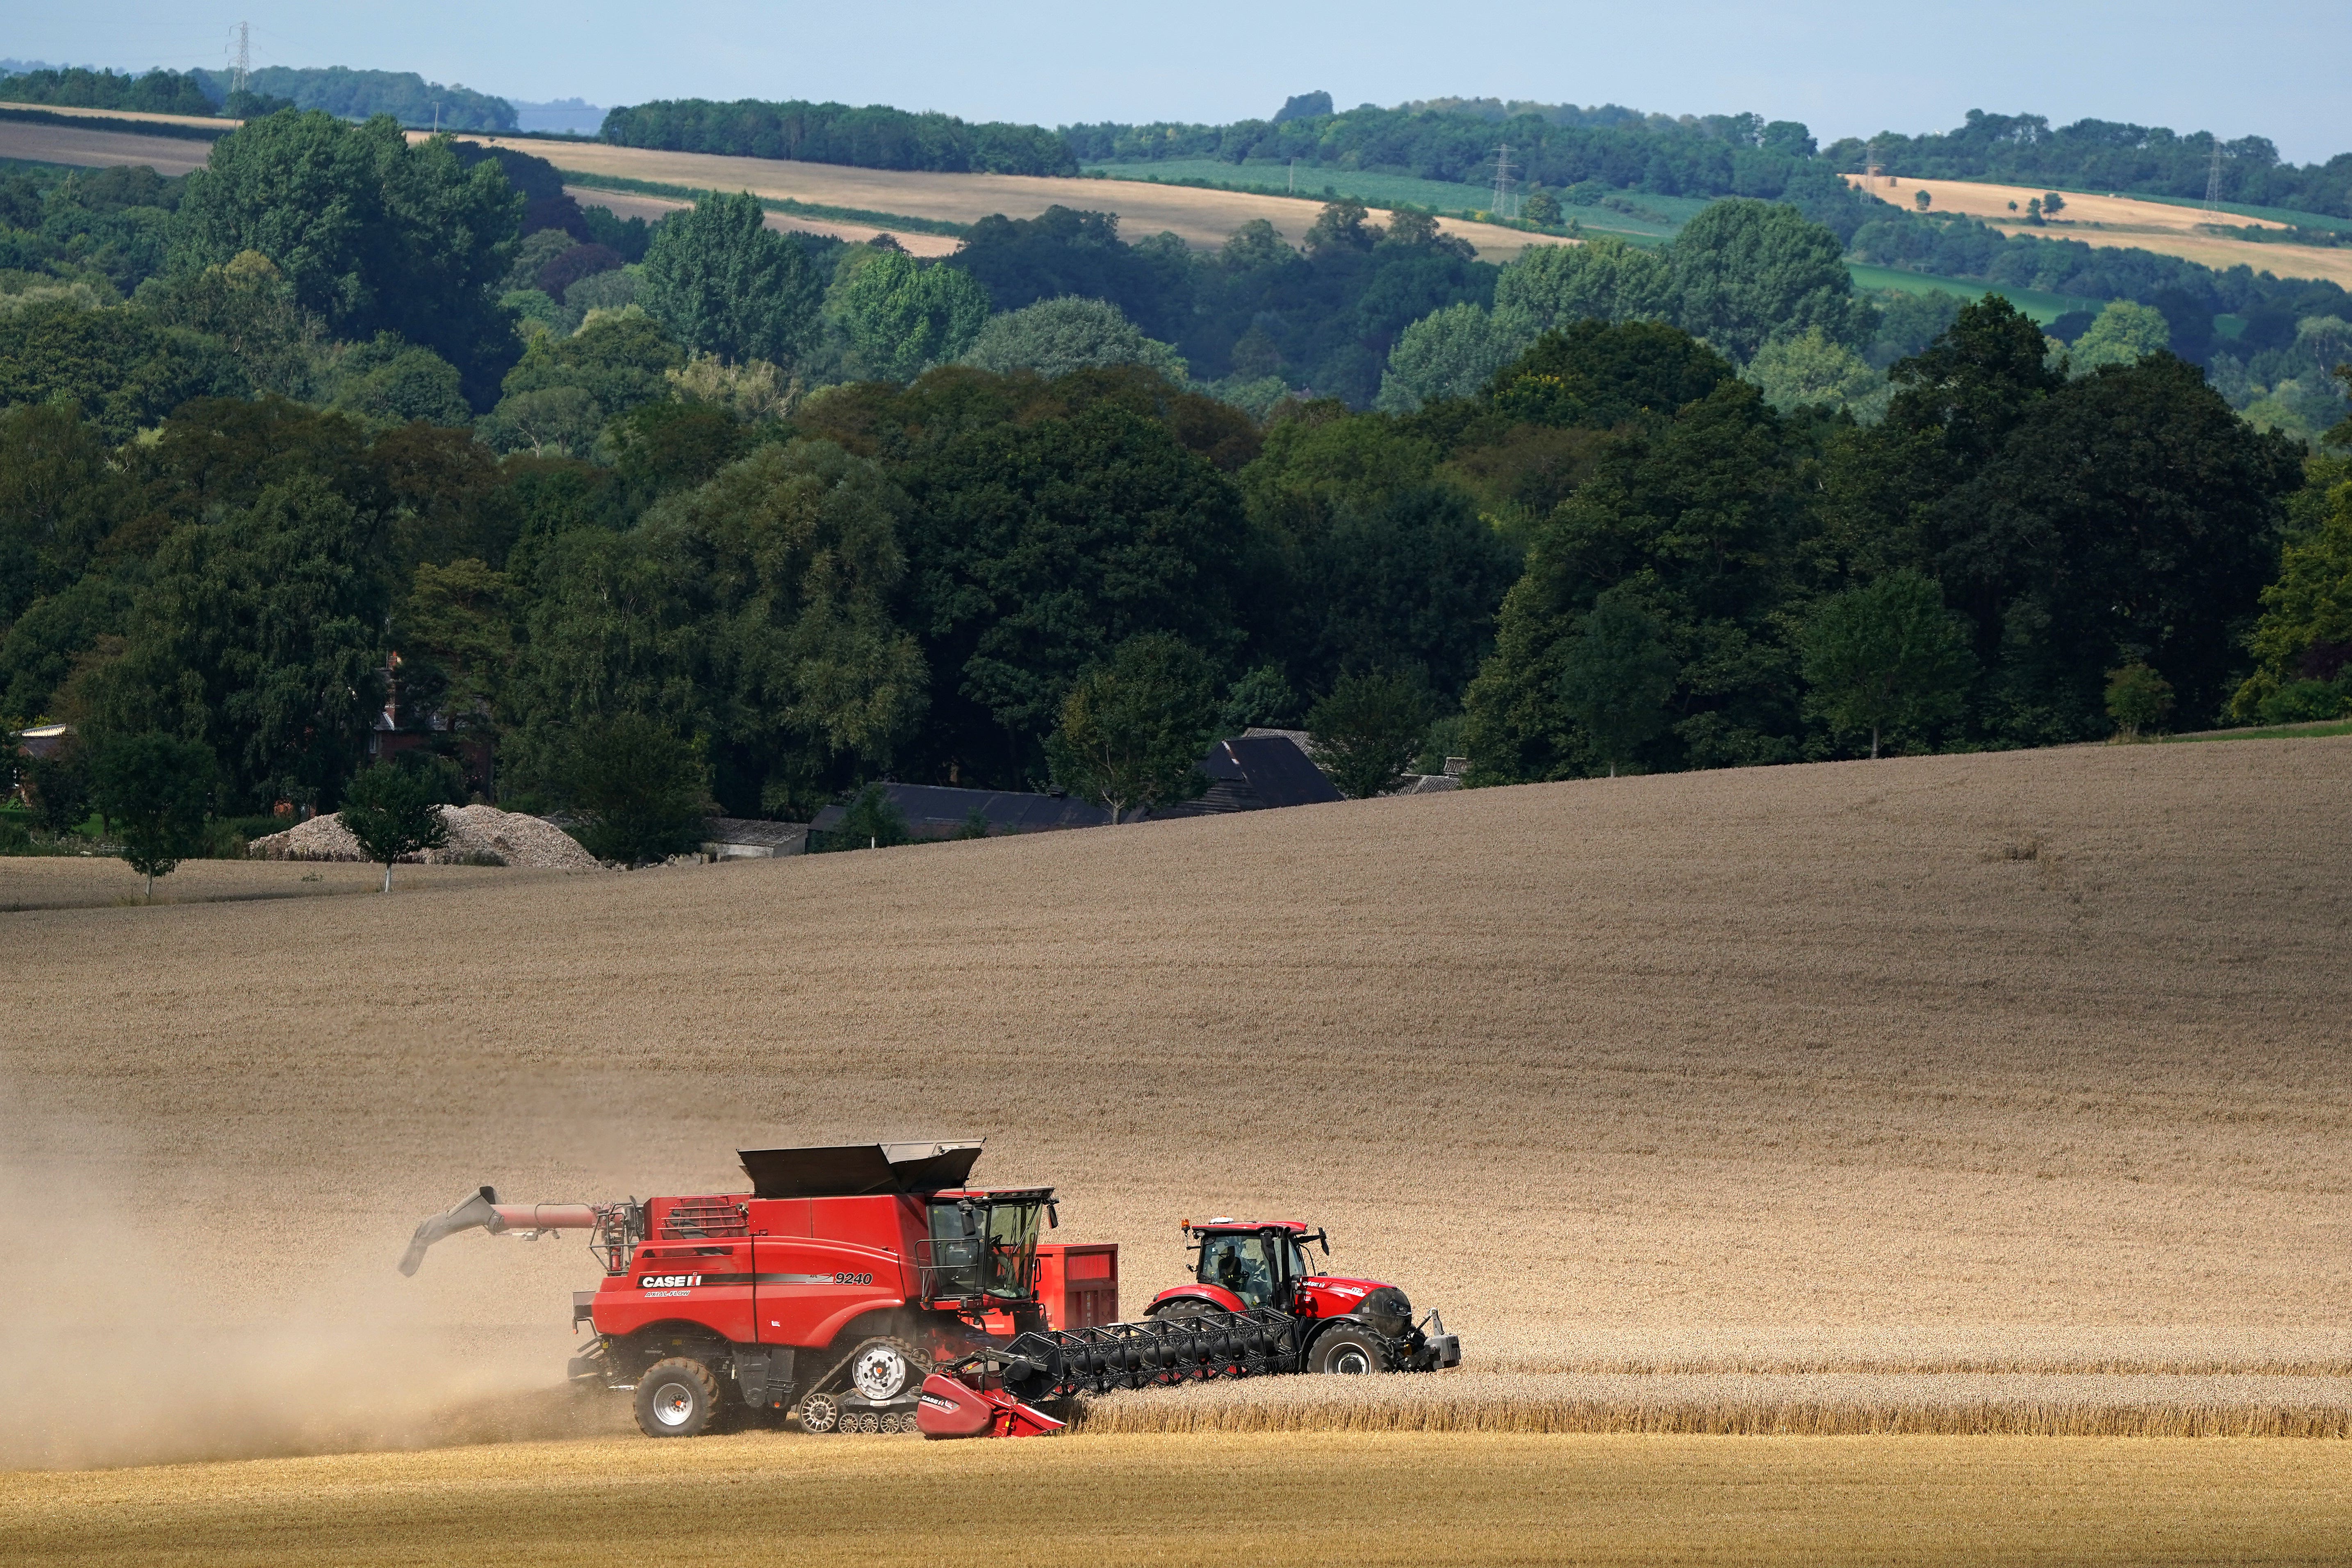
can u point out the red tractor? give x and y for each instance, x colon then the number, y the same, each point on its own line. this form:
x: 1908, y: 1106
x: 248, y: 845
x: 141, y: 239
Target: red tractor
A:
x: 870, y: 1289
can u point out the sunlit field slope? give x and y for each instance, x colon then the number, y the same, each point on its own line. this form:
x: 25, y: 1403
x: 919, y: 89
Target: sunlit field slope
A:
x: 2029, y: 1062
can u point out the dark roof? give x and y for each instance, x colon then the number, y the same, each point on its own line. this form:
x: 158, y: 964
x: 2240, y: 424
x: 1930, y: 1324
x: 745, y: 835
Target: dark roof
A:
x: 937, y: 811
x: 1254, y: 773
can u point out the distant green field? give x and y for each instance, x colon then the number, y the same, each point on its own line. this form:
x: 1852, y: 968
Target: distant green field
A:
x: 1388, y: 190
x: 2043, y: 308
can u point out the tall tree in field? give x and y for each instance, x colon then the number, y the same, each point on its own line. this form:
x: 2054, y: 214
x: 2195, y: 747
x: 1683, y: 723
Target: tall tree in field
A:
x: 726, y: 284
x: 392, y: 811
x: 155, y: 790
x: 1886, y: 654
x: 1132, y: 729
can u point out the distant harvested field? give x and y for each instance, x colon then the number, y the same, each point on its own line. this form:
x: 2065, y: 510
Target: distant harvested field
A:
x: 38, y: 143
x: 651, y: 208
x: 2010, y: 1063
x: 2041, y: 305
x: 2125, y: 221
x: 1381, y: 1499
x: 202, y: 122
x: 1202, y: 217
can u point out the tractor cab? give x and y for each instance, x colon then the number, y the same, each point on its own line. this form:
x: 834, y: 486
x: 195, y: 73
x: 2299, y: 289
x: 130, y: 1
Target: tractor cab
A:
x: 1261, y: 1262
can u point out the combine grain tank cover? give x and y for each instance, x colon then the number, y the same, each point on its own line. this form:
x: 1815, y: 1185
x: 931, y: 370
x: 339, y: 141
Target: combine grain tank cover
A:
x: 857, y: 1170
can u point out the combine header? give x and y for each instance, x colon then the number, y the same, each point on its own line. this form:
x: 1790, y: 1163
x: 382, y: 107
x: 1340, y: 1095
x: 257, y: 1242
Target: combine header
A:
x: 871, y: 1288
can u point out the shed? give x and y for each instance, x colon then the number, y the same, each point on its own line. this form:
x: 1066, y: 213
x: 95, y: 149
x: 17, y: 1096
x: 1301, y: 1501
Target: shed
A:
x: 739, y: 838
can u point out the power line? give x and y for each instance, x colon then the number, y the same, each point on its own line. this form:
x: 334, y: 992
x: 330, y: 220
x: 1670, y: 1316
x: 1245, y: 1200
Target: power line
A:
x: 243, y: 68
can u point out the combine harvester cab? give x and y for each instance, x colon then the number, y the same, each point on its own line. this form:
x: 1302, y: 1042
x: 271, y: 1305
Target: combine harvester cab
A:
x: 871, y: 1288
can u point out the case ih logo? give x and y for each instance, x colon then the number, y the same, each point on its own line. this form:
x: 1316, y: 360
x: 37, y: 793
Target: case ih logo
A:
x: 666, y: 1281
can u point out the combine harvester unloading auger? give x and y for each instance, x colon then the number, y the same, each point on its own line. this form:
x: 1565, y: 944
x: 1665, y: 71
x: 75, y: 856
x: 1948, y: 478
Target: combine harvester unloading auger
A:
x: 870, y: 1289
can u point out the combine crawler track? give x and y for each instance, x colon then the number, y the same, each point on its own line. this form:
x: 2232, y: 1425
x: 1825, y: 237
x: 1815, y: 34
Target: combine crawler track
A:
x: 1051, y: 1363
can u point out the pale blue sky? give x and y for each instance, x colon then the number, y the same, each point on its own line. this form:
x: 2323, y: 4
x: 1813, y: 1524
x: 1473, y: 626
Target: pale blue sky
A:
x: 1844, y: 67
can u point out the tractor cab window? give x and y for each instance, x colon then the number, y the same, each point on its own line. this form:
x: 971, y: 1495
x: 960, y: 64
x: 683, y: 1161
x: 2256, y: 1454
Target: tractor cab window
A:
x: 1245, y: 1265
x: 1298, y: 1256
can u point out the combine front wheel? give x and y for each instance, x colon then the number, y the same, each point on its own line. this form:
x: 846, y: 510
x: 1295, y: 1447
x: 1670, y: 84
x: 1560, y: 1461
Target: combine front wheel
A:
x: 1347, y: 1350
x: 820, y: 1413
x: 676, y: 1398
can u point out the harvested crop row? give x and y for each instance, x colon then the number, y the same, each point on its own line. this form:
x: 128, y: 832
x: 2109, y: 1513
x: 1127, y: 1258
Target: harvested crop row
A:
x: 1827, y: 1405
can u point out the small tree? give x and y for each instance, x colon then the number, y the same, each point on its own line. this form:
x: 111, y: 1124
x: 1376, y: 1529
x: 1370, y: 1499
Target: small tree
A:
x: 1618, y: 676
x: 872, y: 823
x: 2052, y: 204
x: 1886, y: 654
x: 2137, y: 698
x: 155, y: 790
x: 2033, y: 209
x: 638, y: 789
x: 1368, y: 731
x: 1541, y: 207
x: 1133, y: 729
x: 393, y: 811
x: 1922, y: 200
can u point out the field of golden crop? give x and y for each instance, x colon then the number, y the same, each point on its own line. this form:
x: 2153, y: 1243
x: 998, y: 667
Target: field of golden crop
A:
x: 1998, y: 1093
x: 2106, y: 220
x: 1202, y: 217
x: 628, y: 204
x: 41, y: 143
x: 1298, y: 1499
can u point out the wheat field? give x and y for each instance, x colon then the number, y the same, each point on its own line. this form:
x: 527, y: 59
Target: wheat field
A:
x: 1975, y: 1094
x: 1305, y: 1497
x: 2126, y: 221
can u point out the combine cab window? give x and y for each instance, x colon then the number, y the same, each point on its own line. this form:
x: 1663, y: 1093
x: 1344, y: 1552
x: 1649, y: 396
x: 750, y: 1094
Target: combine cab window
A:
x: 1245, y: 1265
x: 983, y: 1250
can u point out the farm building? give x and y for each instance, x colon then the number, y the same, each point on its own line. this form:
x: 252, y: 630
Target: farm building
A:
x: 738, y: 838
x: 1253, y: 772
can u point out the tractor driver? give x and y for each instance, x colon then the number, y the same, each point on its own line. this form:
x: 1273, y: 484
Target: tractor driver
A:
x: 1239, y: 1267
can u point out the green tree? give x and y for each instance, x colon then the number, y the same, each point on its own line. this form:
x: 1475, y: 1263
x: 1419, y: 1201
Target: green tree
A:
x: 2052, y: 204
x: 121, y: 368
x: 374, y: 234
x: 1747, y: 271
x: 1133, y: 729
x: 393, y: 812
x: 900, y: 317
x: 1369, y: 730
x: 1542, y: 207
x: 724, y: 283
x: 2137, y: 698
x: 1039, y: 547
x: 1886, y: 654
x: 2303, y: 639
x: 1617, y: 677
x: 872, y: 821
x: 1056, y: 337
x: 263, y: 633
x: 155, y: 790
x: 1451, y: 352
x: 639, y: 790
x: 1603, y: 279
x: 1810, y: 370
x: 2123, y: 334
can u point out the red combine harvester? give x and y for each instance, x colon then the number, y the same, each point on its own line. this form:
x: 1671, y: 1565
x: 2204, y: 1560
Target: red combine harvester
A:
x: 871, y: 1288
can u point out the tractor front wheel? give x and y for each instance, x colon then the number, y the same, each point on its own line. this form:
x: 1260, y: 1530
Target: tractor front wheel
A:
x: 676, y: 1398
x: 1345, y: 1350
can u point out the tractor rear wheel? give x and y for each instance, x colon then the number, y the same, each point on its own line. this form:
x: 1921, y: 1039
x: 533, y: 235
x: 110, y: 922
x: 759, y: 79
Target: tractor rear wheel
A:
x: 882, y: 1369
x: 1345, y: 1350
x: 676, y: 1398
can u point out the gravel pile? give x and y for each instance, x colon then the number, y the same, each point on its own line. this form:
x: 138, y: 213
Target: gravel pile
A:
x: 477, y: 833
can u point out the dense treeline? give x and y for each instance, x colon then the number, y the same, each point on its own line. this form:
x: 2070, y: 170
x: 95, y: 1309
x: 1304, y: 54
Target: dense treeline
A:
x: 874, y: 137
x: 2101, y: 154
x: 339, y: 421
x: 78, y: 87
x: 339, y: 91
x: 351, y: 94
